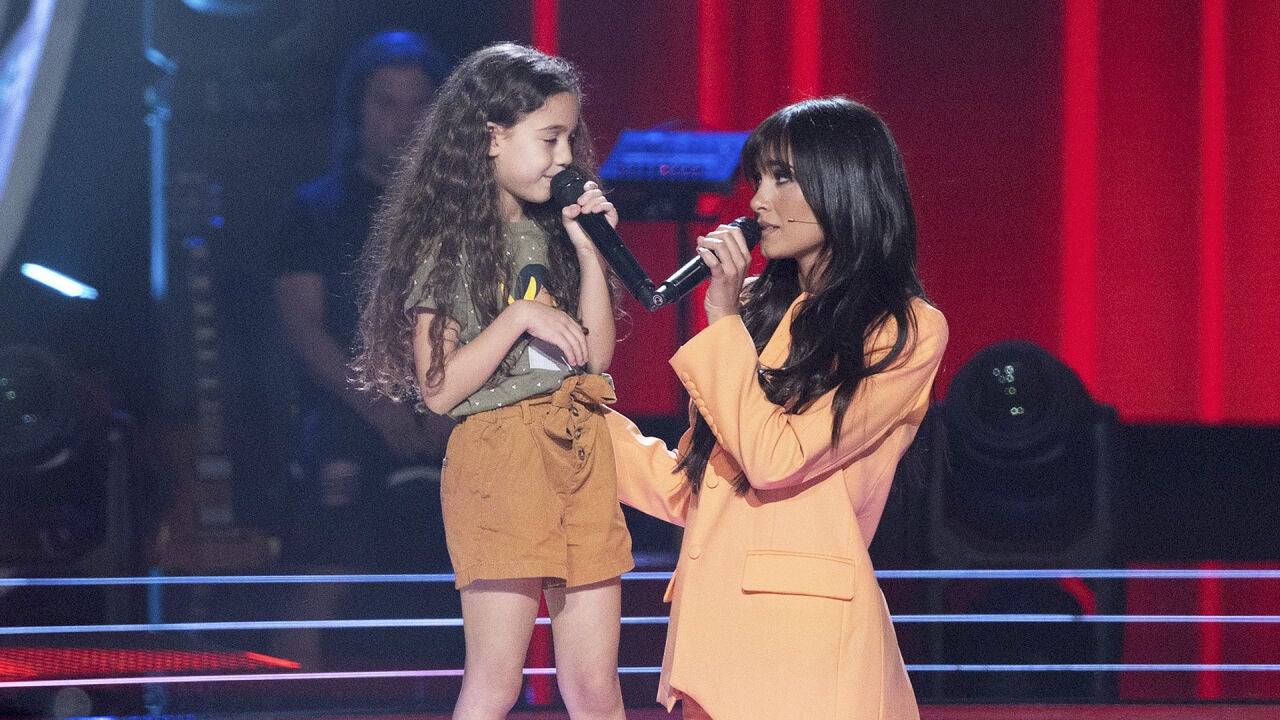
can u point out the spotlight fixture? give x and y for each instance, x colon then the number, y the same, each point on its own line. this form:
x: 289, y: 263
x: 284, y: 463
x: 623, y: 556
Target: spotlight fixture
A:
x: 1032, y: 465
x: 1030, y: 454
x: 56, y: 457
x: 40, y: 409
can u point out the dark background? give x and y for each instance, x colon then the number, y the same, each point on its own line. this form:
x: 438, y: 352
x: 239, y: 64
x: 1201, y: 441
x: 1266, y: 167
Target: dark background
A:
x: 974, y: 93
x: 251, y: 106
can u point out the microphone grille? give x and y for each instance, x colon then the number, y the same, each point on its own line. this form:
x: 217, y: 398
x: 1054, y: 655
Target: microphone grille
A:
x: 750, y: 230
x: 567, y: 186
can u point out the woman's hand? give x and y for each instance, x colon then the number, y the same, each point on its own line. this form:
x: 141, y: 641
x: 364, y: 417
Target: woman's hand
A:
x: 591, y: 201
x: 725, y: 252
x: 553, y: 326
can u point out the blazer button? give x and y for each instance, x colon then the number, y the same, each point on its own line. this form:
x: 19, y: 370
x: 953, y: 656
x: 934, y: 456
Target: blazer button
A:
x: 695, y: 551
x: 712, y: 481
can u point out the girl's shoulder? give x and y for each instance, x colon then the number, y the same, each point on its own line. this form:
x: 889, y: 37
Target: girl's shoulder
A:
x: 425, y: 277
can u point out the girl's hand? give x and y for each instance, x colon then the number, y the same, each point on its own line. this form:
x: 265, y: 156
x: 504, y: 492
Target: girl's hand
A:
x: 554, y: 326
x: 725, y: 252
x: 591, y: 201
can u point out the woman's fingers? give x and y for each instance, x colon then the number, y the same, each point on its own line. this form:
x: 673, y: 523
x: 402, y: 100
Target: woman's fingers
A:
x: 725, y: 249
x: 725, y: 252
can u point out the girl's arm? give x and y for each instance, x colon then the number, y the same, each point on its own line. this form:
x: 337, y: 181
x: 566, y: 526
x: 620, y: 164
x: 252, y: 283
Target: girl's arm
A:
x: 468, y: 367
x: 775, y: 449
x: 594, y: 301
x: 596, y: 306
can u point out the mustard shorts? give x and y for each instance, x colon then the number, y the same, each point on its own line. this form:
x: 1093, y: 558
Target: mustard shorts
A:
x: 530, y: 490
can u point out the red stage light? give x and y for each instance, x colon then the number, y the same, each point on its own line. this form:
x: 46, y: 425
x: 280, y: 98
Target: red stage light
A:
x: 23, y: 663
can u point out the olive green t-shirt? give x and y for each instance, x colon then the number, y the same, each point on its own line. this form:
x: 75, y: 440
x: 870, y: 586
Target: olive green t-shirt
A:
x: 539, y: 367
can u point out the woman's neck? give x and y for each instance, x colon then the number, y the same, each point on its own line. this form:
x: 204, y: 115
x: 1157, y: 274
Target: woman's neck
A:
x: 809, y: 275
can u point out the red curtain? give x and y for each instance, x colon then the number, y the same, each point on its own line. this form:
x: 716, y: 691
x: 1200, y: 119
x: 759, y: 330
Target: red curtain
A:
x: 1099, y: 177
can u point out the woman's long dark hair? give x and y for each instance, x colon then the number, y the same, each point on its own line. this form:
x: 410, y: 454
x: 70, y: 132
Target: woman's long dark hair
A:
x: 442, y: 205
x: 851, y: 173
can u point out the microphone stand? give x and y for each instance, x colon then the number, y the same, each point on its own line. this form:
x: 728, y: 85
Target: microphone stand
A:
x: 159, y: 107
x: 159, y: 112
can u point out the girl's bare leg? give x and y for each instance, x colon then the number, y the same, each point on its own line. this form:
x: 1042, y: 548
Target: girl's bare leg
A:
x: 585, y: 623
x: 497, y: 621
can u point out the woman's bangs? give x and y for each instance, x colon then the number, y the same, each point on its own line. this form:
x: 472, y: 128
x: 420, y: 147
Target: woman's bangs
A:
x: 766, y: 148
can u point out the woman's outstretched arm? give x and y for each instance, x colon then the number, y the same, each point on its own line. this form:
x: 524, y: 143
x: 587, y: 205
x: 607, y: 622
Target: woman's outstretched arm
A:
x: 646, y: 477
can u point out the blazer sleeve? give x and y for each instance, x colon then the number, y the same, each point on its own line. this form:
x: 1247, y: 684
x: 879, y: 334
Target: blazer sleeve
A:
x: 775, y: 449
x: 646, y: 477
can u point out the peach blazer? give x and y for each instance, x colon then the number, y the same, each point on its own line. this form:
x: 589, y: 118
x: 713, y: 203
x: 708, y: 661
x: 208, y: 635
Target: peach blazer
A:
x: 776, y: 612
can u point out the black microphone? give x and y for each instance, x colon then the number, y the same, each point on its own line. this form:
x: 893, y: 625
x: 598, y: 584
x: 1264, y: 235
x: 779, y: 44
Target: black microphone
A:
x: 566, y: 187
x: 692, y: 273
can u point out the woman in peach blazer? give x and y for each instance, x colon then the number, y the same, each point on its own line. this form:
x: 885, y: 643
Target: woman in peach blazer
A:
x: 804, y: 397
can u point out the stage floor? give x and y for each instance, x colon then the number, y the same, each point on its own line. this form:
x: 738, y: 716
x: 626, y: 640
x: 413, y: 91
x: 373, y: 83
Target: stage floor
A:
x: 927, y: 712
x: 216, y: 669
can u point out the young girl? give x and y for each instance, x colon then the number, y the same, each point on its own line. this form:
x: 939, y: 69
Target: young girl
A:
x: 488, y: 302
x: 807, y: 386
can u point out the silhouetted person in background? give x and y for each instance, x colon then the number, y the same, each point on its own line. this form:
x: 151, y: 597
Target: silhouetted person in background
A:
x: 353, y: 449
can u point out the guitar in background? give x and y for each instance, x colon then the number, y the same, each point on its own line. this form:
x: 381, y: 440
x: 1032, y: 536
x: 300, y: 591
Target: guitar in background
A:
x: 200, y: 532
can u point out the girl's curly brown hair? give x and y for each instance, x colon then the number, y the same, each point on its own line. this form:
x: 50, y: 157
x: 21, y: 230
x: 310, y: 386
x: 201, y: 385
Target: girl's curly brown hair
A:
x: 442, y: 205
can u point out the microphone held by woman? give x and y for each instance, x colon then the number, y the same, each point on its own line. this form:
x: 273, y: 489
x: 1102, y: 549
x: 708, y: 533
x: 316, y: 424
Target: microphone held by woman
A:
x: 693, y: 272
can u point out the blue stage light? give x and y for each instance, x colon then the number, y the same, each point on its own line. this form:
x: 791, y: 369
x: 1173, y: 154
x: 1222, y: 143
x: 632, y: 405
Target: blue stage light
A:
x: 53, y: 279
x: 228, y: 8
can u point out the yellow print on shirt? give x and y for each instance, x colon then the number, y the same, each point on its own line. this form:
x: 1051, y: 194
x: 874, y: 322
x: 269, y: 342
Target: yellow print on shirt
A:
x: 531, y: 285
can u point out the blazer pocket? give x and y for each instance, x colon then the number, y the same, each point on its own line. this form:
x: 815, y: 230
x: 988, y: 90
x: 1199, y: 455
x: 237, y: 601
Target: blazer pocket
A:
x: 788, y: 573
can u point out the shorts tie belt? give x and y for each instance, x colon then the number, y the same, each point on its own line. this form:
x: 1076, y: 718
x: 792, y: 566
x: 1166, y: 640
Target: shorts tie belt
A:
x: 579, y: 396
